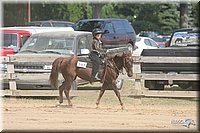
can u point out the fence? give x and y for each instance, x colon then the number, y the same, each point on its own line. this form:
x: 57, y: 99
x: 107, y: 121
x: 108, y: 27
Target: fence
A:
x: 12, y: 77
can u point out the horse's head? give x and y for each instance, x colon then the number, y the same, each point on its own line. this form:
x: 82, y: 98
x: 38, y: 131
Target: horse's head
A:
x: 128, y: 63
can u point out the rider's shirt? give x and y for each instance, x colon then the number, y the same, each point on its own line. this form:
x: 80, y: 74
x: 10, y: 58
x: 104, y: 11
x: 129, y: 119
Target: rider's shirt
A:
x: 97, y: 46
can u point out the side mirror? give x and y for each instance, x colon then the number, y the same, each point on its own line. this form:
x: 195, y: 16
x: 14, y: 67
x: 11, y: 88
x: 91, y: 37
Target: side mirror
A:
x: 85, y: 51
x: 106, y: 32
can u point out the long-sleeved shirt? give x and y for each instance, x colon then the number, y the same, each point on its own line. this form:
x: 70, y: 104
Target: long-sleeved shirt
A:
x: 97, y: 46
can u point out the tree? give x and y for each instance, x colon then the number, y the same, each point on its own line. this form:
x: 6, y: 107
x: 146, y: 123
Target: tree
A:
x: 147, y: 18
x: 168, y: 18
x: 96, y: 9
x: 195, y: 14
x: 184, y: 15
x: 14, y: 14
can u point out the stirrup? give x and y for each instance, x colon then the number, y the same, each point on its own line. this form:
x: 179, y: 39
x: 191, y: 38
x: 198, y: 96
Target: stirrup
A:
x: 96, y: 77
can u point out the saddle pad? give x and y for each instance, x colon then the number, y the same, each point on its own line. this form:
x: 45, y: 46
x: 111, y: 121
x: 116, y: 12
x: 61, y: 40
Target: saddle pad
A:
x: 84, y: 62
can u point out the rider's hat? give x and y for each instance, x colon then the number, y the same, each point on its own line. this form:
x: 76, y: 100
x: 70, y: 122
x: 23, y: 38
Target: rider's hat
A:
x: 97, y: 31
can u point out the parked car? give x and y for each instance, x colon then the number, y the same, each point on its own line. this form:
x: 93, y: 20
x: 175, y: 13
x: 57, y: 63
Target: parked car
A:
x: 150, y: 34
x: 117, y: 32
x: 161, y: 41
x: 51, y: 23
x: 51, y: 45
x: 15, y: 37
x: 144, y: 43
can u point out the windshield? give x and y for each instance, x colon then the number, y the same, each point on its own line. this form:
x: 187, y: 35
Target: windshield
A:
x: 49, y: 44
x: 9, y: 40
x: 185, y: 39
x: 88, y: 25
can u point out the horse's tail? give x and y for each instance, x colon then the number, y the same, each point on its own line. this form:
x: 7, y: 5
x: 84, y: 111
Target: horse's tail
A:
x: 53, y: 78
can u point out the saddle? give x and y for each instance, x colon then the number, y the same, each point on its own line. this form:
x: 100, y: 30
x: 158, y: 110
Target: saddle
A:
x: 85, y: 62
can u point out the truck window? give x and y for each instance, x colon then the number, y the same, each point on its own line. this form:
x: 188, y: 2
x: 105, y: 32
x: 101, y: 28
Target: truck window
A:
x: 88, y: 25
x: 47, y: 24
x: 128, y: 27
x: 119, y: 27
x: 9, y: 40
x: 185, y: 39
x: 83, y: 43
x: 109, y: 27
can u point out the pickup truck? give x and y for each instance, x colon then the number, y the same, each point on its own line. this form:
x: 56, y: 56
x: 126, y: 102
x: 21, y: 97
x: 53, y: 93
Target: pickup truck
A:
x: 183, y: 43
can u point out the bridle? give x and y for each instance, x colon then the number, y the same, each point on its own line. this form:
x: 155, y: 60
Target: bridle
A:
x: 124, y: 66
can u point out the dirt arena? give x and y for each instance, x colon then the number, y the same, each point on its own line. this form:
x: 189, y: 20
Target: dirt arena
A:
x: 157, y: 114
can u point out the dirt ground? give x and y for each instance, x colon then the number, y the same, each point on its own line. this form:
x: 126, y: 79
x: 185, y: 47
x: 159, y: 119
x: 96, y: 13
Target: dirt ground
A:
x: 153, y: 114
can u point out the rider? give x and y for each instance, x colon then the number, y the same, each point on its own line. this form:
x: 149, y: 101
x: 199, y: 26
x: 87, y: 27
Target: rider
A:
x: 96, y: 53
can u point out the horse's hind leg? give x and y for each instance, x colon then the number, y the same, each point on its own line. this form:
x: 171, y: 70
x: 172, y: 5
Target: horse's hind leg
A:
x: 66, y: 91
x: 61, y: 93
x: 117, y: 94
x: 101, y: 94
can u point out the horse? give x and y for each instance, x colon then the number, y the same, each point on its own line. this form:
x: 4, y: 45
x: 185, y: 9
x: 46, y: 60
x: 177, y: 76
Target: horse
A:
x: 67, y: 66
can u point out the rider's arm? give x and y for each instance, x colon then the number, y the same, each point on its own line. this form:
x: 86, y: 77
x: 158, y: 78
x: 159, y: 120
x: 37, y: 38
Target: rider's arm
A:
x: 97, y: 46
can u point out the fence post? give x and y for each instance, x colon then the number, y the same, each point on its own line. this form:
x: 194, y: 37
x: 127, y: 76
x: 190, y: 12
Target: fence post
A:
x: 137, y: 71
x: 11, y: 74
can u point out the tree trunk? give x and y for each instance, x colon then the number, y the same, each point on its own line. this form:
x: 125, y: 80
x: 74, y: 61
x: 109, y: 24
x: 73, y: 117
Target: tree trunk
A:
x: 184, y: 15
x: 96, y: 9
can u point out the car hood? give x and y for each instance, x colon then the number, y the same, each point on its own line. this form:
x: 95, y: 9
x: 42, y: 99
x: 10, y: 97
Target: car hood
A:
x: 33, y: 57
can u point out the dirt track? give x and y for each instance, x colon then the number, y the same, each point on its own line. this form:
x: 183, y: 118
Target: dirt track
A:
x: 152, y: 114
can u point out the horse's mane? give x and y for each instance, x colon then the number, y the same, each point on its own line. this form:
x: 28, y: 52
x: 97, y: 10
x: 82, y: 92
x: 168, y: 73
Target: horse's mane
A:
x: 117, y: 52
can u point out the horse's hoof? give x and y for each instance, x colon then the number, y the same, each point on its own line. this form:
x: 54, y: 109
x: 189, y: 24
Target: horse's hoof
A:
x: 97, y: 107
x: 58, y: 105
x: 122, y: 107
x: 69, y: 106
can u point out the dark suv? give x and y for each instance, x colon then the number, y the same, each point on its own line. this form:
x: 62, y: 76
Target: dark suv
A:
x: 117, y: 32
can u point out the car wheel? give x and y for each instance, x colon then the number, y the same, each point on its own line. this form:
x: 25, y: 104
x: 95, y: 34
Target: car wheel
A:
x: 119, y: 83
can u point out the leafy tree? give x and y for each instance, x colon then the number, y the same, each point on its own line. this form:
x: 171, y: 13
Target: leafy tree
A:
x: 168, y: 18
x: 163, y: 18
x: 108, y: 11
x: 195, y: 14
x: 14, y: 14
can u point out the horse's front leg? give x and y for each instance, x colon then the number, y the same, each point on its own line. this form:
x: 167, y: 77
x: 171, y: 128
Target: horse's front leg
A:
x: 101, y: 94
x: 114, y: 87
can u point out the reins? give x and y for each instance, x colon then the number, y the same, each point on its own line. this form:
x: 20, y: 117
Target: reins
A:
x: 124, y: 65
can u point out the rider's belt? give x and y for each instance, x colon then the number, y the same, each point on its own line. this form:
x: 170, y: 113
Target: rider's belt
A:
x: 97, y: 52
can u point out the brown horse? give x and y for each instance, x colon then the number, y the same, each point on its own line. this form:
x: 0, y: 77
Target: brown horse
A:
x: 68, y: 67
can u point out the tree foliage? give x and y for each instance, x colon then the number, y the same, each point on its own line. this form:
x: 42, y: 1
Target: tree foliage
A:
x: 163, y: 18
